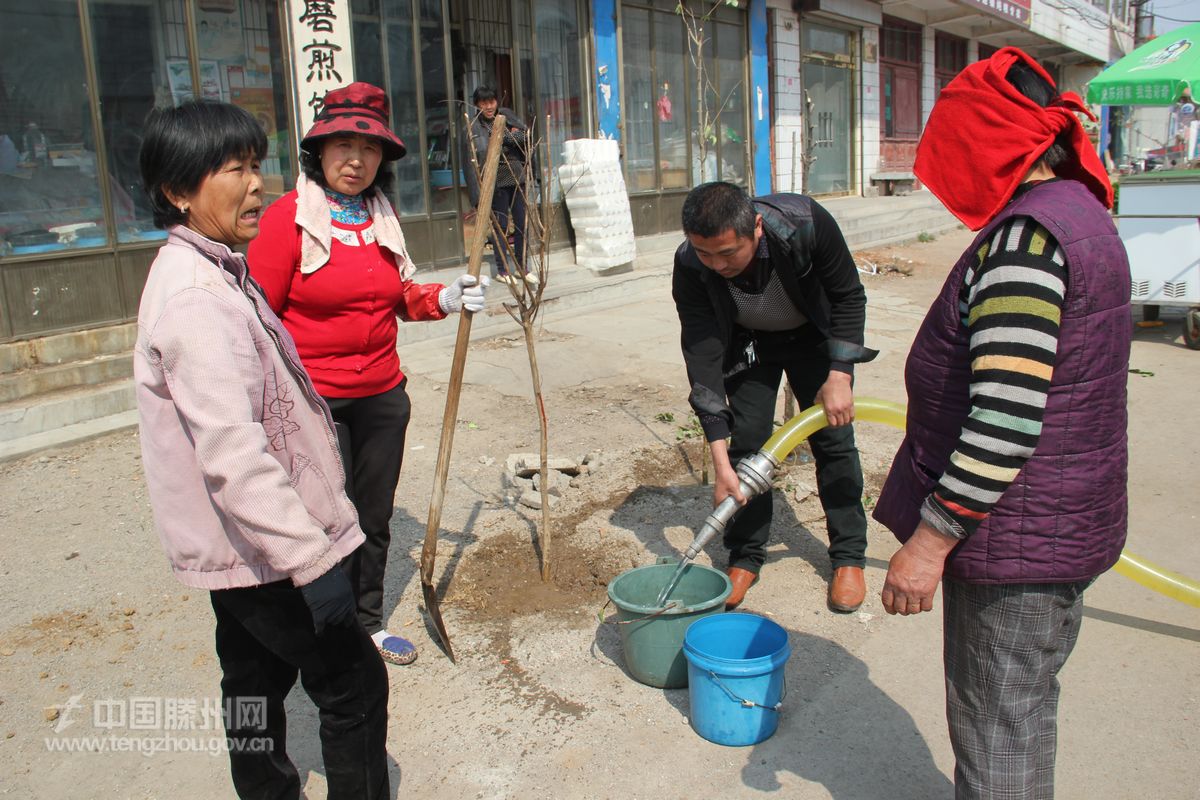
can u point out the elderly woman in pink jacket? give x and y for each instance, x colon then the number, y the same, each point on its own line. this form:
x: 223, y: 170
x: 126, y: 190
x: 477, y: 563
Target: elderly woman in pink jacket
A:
x: 243, y: 470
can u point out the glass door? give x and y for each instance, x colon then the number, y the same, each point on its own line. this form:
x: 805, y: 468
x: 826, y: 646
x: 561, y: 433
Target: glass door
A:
x: 828, y: 78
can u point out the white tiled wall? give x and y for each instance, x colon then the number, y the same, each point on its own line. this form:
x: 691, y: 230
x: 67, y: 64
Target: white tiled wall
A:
x: 928, y: 82
x: 787, y: 100
x: 869, y: 108
x: 1082, y: 27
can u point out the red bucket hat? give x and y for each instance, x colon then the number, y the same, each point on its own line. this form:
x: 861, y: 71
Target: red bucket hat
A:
x: 358, y: 108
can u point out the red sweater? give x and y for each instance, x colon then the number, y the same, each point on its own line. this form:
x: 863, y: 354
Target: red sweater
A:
x: 343, y: 316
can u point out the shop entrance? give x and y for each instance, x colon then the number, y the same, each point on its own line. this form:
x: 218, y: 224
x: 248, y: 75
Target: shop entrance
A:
x: 430, y: 56
x: 484, y: 42
x: 828, y: 76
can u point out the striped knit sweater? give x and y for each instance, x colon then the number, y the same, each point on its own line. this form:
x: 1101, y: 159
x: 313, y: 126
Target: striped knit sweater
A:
x: 1011, y: 305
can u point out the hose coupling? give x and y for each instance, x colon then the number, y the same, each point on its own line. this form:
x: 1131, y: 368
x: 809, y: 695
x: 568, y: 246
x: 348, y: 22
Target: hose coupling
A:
x: 755, y: 473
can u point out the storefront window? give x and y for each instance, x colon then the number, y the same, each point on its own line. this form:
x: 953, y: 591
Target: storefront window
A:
x: 639, y: 109
x: 819, y: 40
x: 731, y: 121
x: 949, y: 58
x: 368, y: 53
x: 438, y: 113
x: 559, y: 78
x: 239, y: 62
x: 409, y: 194
x: 132, y: 82
x: 665, y: 127
x: 49, y: 185
x: 670, y: 101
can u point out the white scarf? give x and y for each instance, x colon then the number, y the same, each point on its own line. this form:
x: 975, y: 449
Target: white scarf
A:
x: 316, y: 226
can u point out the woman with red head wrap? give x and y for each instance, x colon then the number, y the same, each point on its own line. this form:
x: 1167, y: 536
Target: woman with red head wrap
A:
x: 989, y: 128
x: 1009, y: 487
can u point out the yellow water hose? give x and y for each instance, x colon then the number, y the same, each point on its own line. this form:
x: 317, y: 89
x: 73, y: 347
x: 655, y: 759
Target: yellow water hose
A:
x: 1163, y: 581
x: 870, y: 409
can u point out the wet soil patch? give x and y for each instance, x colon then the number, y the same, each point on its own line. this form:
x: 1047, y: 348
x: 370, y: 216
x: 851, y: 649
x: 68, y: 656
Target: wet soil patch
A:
x: 501, y: 578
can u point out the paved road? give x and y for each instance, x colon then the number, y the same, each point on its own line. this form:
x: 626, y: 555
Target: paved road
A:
x: 542, y: 709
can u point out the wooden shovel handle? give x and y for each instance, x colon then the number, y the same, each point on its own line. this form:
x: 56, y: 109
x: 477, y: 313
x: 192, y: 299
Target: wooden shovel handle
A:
x: 483, y: 218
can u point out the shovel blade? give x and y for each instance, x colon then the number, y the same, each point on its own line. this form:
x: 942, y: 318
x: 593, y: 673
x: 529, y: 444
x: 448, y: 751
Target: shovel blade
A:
x: 435, y: 612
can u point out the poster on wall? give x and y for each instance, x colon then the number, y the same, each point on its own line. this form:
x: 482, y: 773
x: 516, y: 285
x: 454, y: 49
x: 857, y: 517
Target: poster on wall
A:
x: 179, y: 78
x: 220, y: 35
x: 260, y: 104
x: 210, y: 80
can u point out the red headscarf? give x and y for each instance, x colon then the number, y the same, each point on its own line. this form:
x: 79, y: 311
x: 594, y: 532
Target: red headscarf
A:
x: 984, y: 136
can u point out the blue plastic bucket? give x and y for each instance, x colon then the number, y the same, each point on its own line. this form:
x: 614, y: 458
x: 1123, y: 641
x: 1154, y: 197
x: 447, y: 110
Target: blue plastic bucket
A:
x: 735, y: 677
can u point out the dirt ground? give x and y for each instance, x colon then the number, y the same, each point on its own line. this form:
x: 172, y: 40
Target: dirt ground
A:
x: 538, y: 704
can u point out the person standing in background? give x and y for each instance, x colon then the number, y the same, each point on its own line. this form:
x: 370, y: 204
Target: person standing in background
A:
x: 508, y: 201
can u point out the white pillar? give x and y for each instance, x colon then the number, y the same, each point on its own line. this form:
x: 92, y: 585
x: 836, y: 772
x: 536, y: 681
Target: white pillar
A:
x: 869, y: 122
x: 787, y: 101
x: 928, y: 82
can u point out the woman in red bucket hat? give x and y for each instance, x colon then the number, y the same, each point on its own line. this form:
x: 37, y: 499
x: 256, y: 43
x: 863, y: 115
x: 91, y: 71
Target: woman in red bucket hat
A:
x: 332, y: 262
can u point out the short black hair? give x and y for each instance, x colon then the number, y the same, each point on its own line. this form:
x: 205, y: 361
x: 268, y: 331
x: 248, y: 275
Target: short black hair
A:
x: 483, y: 93
x: 182, y: 146
x: 310, y: 165
x: 712, y: 208
x: 1030, y: 83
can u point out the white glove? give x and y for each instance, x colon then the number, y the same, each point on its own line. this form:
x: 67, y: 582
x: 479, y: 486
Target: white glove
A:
x: 465, y: 293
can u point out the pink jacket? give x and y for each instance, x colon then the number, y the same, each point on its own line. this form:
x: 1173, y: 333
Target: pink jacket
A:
x: 241, y: 460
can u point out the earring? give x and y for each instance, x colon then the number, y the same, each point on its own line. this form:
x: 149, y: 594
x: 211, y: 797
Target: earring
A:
x: 183, y: 209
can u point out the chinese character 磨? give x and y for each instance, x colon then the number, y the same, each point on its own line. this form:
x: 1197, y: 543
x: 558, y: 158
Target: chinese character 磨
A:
x: 319, y: 15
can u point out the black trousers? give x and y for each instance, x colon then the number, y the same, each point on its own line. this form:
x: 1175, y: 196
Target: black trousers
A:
x: 371, y: 433
x: 265, y: 639
x: 508, y: 201
x: 752, y: 396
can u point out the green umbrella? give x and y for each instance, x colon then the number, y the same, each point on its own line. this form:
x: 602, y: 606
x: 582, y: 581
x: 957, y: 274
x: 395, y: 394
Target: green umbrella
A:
x: 1155, y: 74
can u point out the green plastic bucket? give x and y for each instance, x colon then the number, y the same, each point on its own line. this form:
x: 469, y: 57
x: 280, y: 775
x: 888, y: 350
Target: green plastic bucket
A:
x: 652, y: 638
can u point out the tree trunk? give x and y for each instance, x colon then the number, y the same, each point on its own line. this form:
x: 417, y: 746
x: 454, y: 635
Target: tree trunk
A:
x: 545, y: 536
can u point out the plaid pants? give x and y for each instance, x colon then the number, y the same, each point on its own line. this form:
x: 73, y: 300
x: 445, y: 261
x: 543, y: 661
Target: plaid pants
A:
x: 1003, y: 648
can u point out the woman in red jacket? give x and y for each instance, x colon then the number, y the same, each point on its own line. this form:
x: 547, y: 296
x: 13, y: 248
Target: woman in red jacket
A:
x: 331, y: 260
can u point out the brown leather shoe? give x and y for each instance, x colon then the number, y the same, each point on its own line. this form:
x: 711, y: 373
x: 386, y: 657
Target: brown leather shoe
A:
x: 742, y: 580
x: 847, y: 589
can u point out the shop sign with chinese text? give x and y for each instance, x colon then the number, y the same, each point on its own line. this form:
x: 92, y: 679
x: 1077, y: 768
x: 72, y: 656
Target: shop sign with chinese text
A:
x: 1014, y: 10
x: 322, y: 58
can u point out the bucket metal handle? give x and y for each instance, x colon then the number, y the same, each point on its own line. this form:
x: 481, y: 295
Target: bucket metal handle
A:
x: 600, y: 614
x: 745, y: 703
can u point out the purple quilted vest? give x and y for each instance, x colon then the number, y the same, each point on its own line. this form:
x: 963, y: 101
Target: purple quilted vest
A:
x: 1064, y: 517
